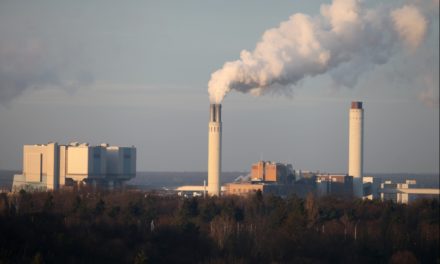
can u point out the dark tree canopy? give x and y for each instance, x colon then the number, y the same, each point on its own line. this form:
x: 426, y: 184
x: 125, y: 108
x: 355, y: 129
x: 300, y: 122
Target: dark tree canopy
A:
x: 137, y: 227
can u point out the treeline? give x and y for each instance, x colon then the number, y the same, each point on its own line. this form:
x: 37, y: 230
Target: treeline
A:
x: 134, y: 227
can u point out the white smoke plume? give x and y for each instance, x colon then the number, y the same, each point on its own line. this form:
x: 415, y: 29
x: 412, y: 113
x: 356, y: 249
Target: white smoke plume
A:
x: 344, y: 40
x: 243, y: 178
x: 410, y: 24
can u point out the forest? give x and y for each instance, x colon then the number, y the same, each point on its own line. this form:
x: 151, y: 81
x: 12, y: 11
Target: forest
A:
x: 85, y: 226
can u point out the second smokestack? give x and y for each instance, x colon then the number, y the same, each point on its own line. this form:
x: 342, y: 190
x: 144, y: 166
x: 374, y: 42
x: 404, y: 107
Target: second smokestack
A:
x: 214, y: 149
x: 355, y: 147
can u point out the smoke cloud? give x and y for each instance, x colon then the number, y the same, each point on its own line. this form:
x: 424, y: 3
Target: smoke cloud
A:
x: 410, y: 24
x: 345, y: 40
x: 27, y: 64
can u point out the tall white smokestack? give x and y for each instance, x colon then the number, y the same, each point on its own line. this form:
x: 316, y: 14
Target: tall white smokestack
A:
x: 214, y: 149
x: 355, y: 148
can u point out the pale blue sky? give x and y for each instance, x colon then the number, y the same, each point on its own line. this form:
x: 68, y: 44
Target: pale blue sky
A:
x: 136, y: 74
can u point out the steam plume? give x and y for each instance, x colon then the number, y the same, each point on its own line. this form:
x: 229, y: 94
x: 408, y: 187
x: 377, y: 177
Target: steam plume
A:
x: 410, y: 24
x: 344, y: 40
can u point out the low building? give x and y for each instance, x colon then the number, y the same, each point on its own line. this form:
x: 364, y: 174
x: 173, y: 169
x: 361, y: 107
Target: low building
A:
x: 243, y: 188
x: 406, y: 192
x: 334, y: 184
x: 371, y: 186
x: 248, y: 188
x: 52, y: 166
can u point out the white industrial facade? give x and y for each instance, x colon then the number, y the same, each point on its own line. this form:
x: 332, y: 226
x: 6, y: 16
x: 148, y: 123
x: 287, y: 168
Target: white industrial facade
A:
x: 214, y: 149
x: 406, y: 192
x: 51, y: 166
x: 356, y: 145
x: 371, y: 186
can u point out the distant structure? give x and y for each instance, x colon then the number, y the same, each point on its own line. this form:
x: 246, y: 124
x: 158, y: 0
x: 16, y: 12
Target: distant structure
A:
x: 355, y: 149
x: 214, y: 149
x: 281, y: 179
x: 267, y: 177
x: 267, y: 171
x: 334, y: 184
x: 406, y: 192
x: 52, y: 166
x: 371, y: 187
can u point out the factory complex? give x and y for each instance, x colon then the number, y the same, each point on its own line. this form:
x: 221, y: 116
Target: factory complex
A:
x: 52, y: 167
x: 281, y: 179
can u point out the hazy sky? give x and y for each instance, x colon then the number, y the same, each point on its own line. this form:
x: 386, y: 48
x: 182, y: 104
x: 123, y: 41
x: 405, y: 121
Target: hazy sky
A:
x: 136, y: 73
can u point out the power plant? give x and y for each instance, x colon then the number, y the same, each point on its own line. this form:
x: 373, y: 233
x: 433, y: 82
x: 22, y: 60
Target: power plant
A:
x: 214, y: 149
x: 355, y: 152
x: 52, y: 166
x: 355, y: 147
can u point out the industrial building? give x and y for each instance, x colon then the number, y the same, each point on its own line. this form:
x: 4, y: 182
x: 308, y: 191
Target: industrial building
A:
x: 371, y: 187
x: 267, y: 177
x: 52, y: 166
x: 247, y: 188
x: 266, y: 171
x: 334, y: 184
x: 281, y: 179
x: 243, y: 188
x: 406, y: 192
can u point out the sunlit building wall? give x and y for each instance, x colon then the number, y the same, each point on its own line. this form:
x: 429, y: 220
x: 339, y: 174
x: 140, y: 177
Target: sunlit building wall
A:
x: 406, y: 192
x: 268, y: 171
x: 40, y: 165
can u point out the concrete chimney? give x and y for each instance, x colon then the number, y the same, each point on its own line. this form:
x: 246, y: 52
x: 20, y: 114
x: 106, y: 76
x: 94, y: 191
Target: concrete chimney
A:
x: 356, y: 146
x: 214, y: 149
